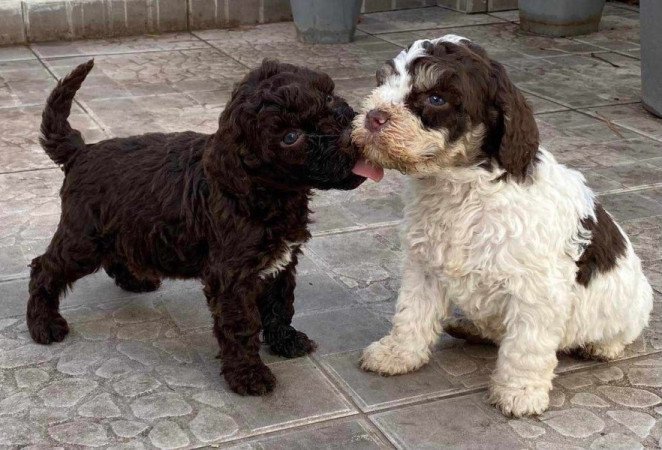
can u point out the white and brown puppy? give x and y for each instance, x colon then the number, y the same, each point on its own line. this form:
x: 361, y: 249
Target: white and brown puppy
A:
x: 495, y: 226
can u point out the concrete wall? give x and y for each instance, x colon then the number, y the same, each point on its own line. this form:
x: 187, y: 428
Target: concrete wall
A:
x: 479, y: 6
x: 49, y: 20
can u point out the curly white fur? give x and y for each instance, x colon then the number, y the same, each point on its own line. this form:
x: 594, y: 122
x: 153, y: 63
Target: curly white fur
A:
x: 505, y: 253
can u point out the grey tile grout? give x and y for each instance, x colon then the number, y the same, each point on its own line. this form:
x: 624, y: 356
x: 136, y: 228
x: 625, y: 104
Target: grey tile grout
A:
x: 288, y: 430
x: 350, y: 229
x: 642, y: 187
x: 593, y: 364
x: 219, y: 50
x: 135, y: 52
x: 349, y: 399
x: 584, y: 110
x: 36, y: 169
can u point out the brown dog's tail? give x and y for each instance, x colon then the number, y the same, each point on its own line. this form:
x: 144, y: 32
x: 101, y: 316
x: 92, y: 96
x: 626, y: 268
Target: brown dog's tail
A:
x: 58, y: 139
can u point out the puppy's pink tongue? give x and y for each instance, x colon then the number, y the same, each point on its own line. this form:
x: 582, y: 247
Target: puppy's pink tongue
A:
x: 366, y: 169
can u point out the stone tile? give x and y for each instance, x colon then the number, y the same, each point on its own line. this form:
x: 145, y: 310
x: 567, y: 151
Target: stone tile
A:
x: 419, y: 19
x: 317, y: 292
x: 541, y: 105
x: 167, y: 434
x: 633, y: 117
x: 357, y: 59
x: 354, y: 90
x: 341, y: 330
x: 29, y: 213
x: 210, y: 425
x: 455, y: 423
x: 444, y: 421
x: 187, y: 305
x: 151, y: 73
x: 19, y: 142
x: 608, y: 411
x: 619, y: 30
x: 582, y: 80
x: 191, y: 396
x: 578, y: 125
x: 584, y: 142
x: 159, y: 113
x: 330, y: 218
x: 454, y: 368
x: 356, y: 209
x: 393, y: 185
x: 182, y: 85
x: 632, y: 175
x: 379, y: 250
x: 24, y: 83
x: 630, y: 206
x: 645, y: 234
x: 371, y: 391
x: 90, y: 290
x: 302, y: 385
x: 79, y: 432
x: 503, y: 41
x: 355, y: 434
x: 16, y: 53
x: 129, y: 44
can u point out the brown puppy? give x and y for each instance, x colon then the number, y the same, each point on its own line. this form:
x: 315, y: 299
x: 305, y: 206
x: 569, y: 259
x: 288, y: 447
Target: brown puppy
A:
x: 229, y: 208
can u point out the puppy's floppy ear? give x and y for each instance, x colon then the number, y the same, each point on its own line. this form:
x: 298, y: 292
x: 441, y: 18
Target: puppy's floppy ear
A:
x: 515, y: 128
x: 223, y: 159
x: 223, y: 164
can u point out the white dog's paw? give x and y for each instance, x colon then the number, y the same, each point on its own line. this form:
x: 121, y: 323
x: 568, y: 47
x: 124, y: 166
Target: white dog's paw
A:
x: 602, y: 351
x: 518, y: 402
x: 388, y: 358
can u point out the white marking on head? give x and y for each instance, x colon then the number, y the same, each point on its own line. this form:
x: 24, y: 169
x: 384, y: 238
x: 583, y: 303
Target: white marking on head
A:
x: 453, y: 38
x: 397, y: 85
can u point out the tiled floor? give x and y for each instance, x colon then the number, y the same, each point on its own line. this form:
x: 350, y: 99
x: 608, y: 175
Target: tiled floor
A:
x: 139, y: 371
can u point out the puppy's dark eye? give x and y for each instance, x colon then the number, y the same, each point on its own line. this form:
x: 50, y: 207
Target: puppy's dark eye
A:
x: 435, y: 100
x: 329, y: 98
x: 291, y: 137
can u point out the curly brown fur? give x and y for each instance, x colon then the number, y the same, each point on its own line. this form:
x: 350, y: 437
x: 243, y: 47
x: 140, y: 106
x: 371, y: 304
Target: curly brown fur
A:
x: 229, y: 208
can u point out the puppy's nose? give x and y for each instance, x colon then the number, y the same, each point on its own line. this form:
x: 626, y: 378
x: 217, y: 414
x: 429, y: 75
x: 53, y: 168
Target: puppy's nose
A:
x: 376, y: 119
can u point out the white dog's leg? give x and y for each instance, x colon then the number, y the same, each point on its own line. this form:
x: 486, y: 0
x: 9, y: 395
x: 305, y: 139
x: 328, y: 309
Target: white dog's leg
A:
x: 535, y: 323
x: 417, y: 324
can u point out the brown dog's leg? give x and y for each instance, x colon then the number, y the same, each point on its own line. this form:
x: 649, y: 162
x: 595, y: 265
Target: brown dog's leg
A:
x: 237, y: 327
x: 67, y: 259
x: 127, y: 280
x: 276, y: 309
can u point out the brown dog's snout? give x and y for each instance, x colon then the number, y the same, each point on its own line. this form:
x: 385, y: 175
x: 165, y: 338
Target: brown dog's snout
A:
x: 376, y: 119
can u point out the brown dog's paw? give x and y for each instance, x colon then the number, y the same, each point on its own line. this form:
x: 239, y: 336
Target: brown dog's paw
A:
x: 48, y: 329
x: 250, y: 379
x: 293, y: 345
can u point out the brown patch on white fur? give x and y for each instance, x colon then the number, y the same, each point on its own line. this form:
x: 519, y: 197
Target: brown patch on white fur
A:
x: 406, y: 145
x: 483, y: 119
